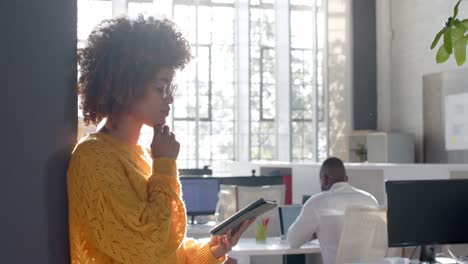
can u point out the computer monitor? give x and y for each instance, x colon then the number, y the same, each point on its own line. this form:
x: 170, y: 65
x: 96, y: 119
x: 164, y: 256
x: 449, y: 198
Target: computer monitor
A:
x: 200, y: 195
x: 426, y: 213
x: 288, y: 214
x: 305, y: 197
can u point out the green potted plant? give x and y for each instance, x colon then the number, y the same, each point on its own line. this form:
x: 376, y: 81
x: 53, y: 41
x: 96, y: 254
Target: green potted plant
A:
x: 455, y: 40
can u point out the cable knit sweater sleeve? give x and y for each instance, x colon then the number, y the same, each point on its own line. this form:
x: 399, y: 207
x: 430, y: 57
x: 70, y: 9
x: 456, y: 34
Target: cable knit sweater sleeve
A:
x: 126, y: 225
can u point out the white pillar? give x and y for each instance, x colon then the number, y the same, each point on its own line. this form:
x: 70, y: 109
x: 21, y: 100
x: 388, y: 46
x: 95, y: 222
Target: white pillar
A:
x: 283, y: 88
x: 242, y: 144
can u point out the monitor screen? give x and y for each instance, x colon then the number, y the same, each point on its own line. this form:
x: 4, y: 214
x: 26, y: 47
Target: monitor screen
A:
x: 200, y: 195
x: 305, y: 197
x: 427, y: 212
x: 288, y: 215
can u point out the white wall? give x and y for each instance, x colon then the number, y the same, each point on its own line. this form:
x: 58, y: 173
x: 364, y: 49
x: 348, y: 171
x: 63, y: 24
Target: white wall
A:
x: 366, y: 176
x: 410, y: 26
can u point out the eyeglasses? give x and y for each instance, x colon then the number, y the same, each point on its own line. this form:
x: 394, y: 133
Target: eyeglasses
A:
x: 167, y: 90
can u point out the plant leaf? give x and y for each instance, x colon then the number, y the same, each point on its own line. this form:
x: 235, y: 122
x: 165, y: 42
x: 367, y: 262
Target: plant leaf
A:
x: 436, y: 39
x: 442, y: 55
x: 458, y: 24
x: 464, y: 22
x: 455, y: 9
x: 448, y: 40
x: 457, y: 34
x: 459, y: 51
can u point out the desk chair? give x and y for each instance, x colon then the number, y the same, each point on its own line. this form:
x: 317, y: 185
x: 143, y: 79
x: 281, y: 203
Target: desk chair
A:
x: 364, y: 235
x: 227, y: 202
x: 329, y: 234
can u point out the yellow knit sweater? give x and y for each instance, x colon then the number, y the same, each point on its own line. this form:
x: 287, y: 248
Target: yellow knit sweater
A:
x: 123, y: 210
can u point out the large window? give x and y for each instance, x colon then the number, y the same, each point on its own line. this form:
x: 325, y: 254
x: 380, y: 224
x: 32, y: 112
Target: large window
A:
x: 226, y: 49
x: 203, y: 115
x: 262, y: 80
x: 307, y: 91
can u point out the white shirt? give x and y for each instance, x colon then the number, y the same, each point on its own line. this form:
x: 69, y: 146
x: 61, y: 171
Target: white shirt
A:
x: 316, y: 212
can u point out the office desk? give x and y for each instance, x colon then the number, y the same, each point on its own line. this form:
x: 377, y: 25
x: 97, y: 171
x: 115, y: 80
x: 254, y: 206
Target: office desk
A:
x: 247, y: 247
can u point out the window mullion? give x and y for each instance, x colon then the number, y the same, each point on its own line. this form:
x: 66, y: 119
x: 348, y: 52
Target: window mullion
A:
x: 315, y: 74
x: 324, y: 73
x: 197, y: 88
x: 242, y: 96
x: 282, y: 76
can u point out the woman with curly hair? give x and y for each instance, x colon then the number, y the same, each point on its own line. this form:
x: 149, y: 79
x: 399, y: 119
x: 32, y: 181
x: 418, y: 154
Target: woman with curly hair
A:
x: 125, y: 201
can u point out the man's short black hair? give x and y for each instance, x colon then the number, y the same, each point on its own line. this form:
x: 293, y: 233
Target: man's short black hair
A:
x: 332, y: 163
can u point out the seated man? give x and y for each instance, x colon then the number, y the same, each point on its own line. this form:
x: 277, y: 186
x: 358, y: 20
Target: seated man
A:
x: 336, y: 195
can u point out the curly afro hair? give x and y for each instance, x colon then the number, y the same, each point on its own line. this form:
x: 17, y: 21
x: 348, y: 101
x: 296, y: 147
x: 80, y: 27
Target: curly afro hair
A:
x: 121, y: 58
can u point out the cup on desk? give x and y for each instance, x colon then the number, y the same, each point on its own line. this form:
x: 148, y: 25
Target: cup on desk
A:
x: 261, y: 228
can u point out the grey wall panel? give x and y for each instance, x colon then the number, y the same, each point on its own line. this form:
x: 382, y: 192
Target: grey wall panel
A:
x: 436, y: 87
x: 38, y: 75
x: 364, y: 65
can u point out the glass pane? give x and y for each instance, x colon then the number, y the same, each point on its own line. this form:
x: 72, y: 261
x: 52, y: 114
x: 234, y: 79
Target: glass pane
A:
x: 297, y: 114
x: 145, y: 9
x: 204, y: 131
x: 180, y: 107
x: 90, y: 14
x: 222, y: 25
x: 204, y: 24
x: 203, y: 88
x: 302, y: 2
x: 222, y: 68
x: 268, y: 100
x: 296, y: 140
x: 203, y: 59
x: 320, y: 30
x: 266, y: 140
x: 146, y: 136
x: 186, y: 76
x: 204, y: 106
x: 322, y: 141
x: 184, y: 17
x: 255, y: 108
x: 223, y: 140
x: 254, y: 148
x: 302, y: 29
x: 224, y: 93
x: 303, y: 144
x: 185, y: 133
x: 262, y: 25
x: 223, y: 1
x: 223, y: 108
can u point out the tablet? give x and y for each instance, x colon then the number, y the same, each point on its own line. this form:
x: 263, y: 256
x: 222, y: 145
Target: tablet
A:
x: 254, y: 209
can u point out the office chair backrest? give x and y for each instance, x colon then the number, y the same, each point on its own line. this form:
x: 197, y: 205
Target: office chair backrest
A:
x: 364, y: 235
x: 227, y: 202
x: 329, y: 233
